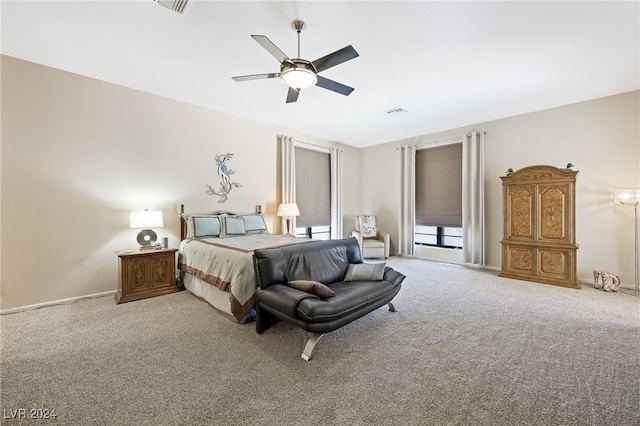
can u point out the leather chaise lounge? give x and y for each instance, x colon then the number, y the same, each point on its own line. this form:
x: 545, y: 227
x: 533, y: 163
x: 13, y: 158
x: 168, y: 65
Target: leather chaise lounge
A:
x: 331, y: 263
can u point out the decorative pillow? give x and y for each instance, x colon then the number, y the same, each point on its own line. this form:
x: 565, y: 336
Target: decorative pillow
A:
x: 199, y: 226
x: 313, y: 287
x: 365, y: 272
x: 232, y: 226
x: 255, y: 224
x: 366, y: 225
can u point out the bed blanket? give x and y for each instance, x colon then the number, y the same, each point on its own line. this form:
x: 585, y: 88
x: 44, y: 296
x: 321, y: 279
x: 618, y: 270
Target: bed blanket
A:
x: 227, y: 263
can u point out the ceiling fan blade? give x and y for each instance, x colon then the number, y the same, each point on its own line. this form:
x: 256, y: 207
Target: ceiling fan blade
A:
x: 292, y: 95
x: 332, y: 59
x: 325, y: 83
x: 270, y: 47
x: 256, y: 76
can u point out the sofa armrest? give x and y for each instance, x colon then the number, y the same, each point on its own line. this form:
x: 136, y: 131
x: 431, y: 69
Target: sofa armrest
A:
x: 283, y: 298
x: 393, y: 276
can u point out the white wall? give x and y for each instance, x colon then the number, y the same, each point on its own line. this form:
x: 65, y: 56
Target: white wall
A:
x: 79, y: 154
x: 601, y: 137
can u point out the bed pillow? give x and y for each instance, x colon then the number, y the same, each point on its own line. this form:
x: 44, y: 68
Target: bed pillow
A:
x: 313, y: 287
x: 199, y: 226
x: 255, y: 224
x: 365, y: 272
x: 232, y: 226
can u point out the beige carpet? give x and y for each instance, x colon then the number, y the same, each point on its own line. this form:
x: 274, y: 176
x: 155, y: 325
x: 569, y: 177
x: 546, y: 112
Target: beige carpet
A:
x: 465, y: 347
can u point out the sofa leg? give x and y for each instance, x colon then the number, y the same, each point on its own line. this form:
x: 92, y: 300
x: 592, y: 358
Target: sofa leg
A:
x: 311, y: 344
x: 391, y: 307
x: 264, y: 320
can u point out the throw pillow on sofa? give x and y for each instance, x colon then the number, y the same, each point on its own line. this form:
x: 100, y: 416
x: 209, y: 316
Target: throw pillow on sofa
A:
x: 313, y: 287
x: 365, y: 272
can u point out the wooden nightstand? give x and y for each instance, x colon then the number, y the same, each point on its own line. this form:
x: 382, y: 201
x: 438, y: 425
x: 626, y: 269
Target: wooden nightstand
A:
x: 146, y: 273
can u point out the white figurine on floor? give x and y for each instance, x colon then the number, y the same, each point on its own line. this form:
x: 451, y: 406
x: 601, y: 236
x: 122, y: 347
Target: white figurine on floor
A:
x: 610, y: 282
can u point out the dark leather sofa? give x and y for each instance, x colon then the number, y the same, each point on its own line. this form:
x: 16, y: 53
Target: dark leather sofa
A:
x: 326, y: 262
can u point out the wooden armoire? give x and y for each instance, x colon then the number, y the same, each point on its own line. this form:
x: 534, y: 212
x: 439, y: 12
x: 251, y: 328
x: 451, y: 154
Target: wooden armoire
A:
x: 539, y: 239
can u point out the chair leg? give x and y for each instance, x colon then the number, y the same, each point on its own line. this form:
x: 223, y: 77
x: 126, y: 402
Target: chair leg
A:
x: 311, y: 344
x: 391, y: 307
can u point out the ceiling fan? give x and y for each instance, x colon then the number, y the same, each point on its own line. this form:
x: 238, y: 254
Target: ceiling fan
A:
x: 299, y: 73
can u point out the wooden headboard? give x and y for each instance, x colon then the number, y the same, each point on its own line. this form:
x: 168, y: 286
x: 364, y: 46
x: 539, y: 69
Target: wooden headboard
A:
x: 183, y: 224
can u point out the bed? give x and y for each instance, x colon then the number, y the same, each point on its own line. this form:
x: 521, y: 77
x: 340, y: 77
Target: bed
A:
x: 215, y: 258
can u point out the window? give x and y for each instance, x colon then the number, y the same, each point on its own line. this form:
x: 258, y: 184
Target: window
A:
x: 438, y: 236
x: 315, y: 232
x: 439, y: 196
x: 313, y: 193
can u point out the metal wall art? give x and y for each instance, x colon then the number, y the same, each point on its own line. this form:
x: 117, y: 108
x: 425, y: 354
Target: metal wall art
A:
x: 225, y: 173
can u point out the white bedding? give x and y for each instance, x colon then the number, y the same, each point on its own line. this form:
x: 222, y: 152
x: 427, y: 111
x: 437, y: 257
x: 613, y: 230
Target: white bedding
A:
x: 220, y: 270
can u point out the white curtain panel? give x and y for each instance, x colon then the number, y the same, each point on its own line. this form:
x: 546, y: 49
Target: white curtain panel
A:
x: 407, y: 215
x: 473, y: 224
x: 288, y: 178
x: 336, y: 194
x: 288, y: 171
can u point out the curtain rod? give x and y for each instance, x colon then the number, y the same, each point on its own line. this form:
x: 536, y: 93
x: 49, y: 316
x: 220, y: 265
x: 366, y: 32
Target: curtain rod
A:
x: 319, y: 147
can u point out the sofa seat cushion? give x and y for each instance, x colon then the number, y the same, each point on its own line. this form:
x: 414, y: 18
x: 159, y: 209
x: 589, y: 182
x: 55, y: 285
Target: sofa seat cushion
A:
x: 350, y: 296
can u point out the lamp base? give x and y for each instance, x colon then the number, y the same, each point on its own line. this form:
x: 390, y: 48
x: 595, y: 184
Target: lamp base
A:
x: 631, y: 291
x: 288, y: 233
x: 147, y: 238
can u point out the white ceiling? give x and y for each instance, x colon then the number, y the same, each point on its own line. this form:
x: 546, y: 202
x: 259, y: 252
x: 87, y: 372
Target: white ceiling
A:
x: 449, y: 64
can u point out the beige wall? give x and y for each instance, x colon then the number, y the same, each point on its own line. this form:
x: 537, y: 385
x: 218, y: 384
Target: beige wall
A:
x: 601, y: 137
x: 79, y: 154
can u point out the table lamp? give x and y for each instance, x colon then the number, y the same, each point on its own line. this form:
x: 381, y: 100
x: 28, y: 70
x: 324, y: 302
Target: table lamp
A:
x: 288, y: 211
x: 146, y: 219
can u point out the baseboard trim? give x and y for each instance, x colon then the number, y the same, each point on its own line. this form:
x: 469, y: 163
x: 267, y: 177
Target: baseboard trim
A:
x: 56, y: 302
x: 582, y: 281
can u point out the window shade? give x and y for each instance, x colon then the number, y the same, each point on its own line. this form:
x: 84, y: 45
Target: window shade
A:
x: 439, y: 186
x: 313, y: 188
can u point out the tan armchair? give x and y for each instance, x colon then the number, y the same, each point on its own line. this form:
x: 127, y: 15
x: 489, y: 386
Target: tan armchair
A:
x: 372, y: 241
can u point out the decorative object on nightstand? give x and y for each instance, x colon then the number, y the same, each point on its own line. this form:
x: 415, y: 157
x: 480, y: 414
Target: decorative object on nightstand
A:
x: 146, y: 219
x: 288, y: 211
x: 631, y: 197
x: 146, y: 273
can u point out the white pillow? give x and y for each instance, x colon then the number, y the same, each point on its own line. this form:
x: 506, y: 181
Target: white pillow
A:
x: 366, y: 225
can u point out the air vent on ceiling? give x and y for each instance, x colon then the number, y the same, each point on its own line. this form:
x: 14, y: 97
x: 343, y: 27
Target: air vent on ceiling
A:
x: 180, y: 6
x: 395, y: 111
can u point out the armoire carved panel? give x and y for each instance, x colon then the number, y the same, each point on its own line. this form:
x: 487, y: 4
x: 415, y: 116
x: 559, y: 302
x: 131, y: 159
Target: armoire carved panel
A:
x: 539, y: 226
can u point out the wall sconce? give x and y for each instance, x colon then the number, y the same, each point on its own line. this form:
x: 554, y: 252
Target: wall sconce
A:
x: 146, y: 219
x: 288, y: 211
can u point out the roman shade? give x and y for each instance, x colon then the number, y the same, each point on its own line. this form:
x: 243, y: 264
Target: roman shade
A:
x: 439, y: 186
x: 313, y: 187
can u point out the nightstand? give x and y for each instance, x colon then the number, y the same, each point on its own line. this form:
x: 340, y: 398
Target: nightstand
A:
x: 146, y: 273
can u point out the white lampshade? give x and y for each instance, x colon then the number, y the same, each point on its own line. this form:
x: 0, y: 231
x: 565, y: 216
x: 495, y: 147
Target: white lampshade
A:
x: 630, y: 196
x: 299, y: 78
x: 288, y: 210
x: 146, y: 219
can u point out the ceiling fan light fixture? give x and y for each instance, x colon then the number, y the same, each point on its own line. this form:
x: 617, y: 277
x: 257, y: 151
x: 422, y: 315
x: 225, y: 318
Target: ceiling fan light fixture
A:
x: 299, y: 78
